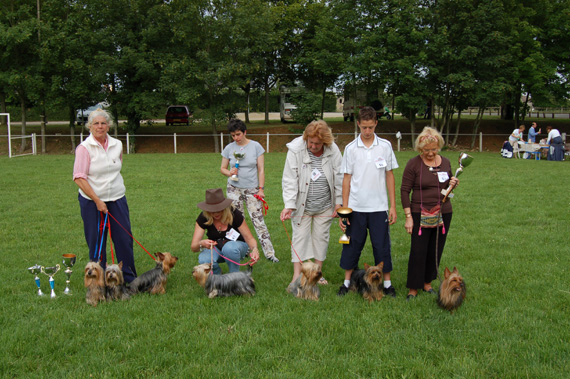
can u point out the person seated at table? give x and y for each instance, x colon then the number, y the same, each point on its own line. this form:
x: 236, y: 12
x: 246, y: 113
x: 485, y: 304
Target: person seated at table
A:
x: 228, y: 236
x: 556, y: 150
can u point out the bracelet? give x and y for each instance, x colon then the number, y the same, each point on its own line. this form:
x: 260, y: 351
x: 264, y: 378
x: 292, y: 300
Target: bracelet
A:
x: 408, y: 215
x: 262, y: 188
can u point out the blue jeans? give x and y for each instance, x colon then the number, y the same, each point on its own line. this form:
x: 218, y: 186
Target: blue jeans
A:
x: 234, y: 250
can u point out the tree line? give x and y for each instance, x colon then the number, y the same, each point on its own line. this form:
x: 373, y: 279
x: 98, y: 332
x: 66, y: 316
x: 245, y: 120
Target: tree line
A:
x: 139, y: 55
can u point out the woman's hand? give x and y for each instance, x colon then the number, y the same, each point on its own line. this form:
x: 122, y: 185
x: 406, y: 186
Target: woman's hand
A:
x: 101, y: 206
x: 207, y: 244
x: 261, y: 193
x: 286, y: 214
x: 409, y: 225
x: 233, y: 171
x: 453, y: 182
x: 254, y: 255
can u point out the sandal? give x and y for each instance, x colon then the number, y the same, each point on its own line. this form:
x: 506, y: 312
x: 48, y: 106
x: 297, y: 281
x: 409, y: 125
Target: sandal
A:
x: 323, y: 281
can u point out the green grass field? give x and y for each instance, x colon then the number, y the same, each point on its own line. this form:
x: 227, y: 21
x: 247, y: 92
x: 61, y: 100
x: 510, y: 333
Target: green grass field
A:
x: 509, y: 239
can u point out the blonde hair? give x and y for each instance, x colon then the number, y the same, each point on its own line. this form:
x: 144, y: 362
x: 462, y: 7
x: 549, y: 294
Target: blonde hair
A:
x: 227, y: 216
x: 321, y: 130
x: 427, y: 136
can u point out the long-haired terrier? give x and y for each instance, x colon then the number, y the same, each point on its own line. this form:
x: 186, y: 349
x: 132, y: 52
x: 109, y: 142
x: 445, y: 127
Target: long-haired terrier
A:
x: 154, y: 281
x: 368, y: 282
x: 305, y: 286
x: 115, y: 284
x: 233, y: 283
x: 95, y: 283
x: 452, y: 290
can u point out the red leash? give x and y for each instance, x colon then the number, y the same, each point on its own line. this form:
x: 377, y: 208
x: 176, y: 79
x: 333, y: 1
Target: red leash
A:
x: 290, y: 242
x: 265, y: 206
x: 134, y: 239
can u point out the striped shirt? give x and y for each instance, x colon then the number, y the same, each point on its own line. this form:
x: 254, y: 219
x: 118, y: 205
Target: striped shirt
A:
x: 319, y: 196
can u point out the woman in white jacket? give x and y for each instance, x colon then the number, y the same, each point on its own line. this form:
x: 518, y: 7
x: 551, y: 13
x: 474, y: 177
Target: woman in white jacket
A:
x: 312, y: 192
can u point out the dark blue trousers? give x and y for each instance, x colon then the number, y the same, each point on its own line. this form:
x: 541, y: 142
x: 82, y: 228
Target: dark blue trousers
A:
x: 93, y: 221
x: 360, y: 224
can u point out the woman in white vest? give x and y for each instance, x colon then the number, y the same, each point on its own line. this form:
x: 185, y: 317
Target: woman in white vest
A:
x: 97, y: 173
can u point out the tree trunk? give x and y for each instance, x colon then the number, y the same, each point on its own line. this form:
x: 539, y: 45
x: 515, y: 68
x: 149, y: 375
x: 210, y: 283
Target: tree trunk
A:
x: 3, y: 109
x: 72, y: 128
x: 476, y: 125
x: 23, y: 129
x: 323, y: 103
x: 266, y: 89
x: 457, y: 128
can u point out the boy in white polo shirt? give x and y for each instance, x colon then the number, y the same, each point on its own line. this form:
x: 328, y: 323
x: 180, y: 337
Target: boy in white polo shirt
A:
x: 367, y: 186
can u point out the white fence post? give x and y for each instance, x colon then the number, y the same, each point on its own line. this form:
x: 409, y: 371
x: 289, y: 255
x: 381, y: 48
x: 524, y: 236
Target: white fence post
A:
x: 267, y: 144
x: 128, y: 147
x: 81, y: 137
x: 221, y: 141
x: 174, y: 143
x: 480, y: 142
x: 34, y: 144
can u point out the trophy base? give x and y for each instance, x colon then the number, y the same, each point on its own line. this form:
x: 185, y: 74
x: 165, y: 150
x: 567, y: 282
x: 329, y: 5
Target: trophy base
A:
x: 444, y: 192
x: 345, y: 240
x: 67, y: 291
x: 234, y: 178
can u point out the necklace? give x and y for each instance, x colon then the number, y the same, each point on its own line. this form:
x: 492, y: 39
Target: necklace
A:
x: 429, y: 165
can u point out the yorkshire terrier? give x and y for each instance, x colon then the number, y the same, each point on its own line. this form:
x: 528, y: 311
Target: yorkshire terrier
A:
x: 154, y: 281
x: 233, y: 283
x: 452, y: 290
x: 305, y: 286
x: 115, y: 284
x: 368, y: 282
x: 95, y: 283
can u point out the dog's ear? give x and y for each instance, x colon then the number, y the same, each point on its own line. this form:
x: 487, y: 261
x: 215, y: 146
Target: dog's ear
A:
x: 121, y: 265
x: 447, y: 273
x: 208, y: 269
x: 159, y: 255
x: 366, y: 266
x: 455, y: 271
x: 380, y: 265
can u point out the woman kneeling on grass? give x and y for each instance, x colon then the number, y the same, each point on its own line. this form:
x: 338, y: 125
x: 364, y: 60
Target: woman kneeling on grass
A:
x: 227, y: 233
x: 425, y: 176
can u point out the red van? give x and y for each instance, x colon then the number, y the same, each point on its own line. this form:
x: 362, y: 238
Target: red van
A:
x: 178, y: 114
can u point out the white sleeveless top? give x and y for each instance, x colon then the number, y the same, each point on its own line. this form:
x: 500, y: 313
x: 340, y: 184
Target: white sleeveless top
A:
x: 105, y: 169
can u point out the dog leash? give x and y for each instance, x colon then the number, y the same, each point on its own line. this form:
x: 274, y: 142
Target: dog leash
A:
x: 290, y: 242
x: 226, y: 258
x: 134, y: 239
x: 265, y: 206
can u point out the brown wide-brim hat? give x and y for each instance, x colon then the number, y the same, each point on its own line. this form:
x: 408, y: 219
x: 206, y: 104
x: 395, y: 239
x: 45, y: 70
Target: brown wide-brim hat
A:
x: 215, y: 201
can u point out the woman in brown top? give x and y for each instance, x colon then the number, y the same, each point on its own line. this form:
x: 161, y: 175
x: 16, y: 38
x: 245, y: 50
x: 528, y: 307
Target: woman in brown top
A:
x: 424, y: 177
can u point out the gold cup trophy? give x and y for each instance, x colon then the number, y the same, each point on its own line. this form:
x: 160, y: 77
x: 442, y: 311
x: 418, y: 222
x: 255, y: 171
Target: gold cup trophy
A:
x: 343, y: 213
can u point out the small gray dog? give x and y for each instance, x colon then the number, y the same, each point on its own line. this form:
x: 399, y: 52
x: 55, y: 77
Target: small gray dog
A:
x: 233, y: 283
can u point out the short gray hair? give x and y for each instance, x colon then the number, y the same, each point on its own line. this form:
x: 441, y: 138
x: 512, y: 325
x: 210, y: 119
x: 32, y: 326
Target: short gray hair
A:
x: 97, y: 113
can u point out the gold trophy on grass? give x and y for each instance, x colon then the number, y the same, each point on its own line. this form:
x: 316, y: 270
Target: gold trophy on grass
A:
x: 464, y: 161
x: 343, y: 213
x: 237, y: 156
x: 68, y: 262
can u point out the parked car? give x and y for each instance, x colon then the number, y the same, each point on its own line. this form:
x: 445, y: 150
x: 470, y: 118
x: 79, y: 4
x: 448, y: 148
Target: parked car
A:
x: 83, y: 114
x: 178, y: 114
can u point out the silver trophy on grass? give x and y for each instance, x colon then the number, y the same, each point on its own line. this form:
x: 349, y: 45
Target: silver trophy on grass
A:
x: 51, y: 271
x: 237, y: 156
x: 464, y: 161
x: 68, y: 262
x: 36, y: 270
